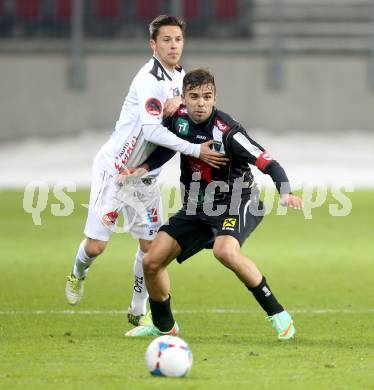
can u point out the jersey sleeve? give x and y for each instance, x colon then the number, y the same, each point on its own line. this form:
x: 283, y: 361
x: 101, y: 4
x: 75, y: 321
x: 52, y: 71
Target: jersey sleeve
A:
x: 151, y: 97
x: 160, y: 135
x: 245, y: 148
x: 162, y: 155
x: 248, y: 150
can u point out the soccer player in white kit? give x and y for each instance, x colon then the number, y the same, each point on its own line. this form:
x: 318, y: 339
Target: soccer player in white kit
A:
x: 154, y: 94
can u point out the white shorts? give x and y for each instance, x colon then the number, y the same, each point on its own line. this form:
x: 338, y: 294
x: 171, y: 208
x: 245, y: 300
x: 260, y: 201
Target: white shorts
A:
x: 140, y: 204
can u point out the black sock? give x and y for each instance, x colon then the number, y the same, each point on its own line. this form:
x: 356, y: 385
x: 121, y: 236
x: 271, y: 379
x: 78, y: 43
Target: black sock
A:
x: 265, y: 298
x: 162, y: 316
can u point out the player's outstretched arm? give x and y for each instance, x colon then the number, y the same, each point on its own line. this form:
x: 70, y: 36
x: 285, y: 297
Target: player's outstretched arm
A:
x: 160, y: 135
x: 293, y: 201
x: 281, y: 181
x: 249, y: 150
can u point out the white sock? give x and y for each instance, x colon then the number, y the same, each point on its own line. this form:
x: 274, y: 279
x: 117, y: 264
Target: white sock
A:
x: 82, y: 262
x: 140, y: 293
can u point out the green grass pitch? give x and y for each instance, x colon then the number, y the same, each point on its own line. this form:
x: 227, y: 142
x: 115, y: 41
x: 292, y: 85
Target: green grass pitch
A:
x: 321, y: 269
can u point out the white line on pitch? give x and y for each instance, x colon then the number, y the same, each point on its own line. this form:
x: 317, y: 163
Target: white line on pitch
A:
x: 182, y: 311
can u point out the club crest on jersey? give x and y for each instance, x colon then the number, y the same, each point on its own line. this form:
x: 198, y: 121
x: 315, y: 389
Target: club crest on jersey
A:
x: 182, y: 110
x: 182, y: 126
x: 229, y: 224
x: 153, y: 106
x: 221, y: 125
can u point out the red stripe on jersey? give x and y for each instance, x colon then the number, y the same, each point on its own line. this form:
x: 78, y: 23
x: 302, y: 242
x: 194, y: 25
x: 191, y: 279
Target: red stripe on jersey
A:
x: 197, y: 165
x: 263, y: 160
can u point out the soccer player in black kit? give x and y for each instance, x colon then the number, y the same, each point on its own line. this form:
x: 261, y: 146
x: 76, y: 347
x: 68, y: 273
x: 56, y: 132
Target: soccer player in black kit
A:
x: 221, y: 206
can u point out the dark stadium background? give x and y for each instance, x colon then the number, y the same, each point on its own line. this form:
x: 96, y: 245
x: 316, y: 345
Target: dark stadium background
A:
x: 299, y: 75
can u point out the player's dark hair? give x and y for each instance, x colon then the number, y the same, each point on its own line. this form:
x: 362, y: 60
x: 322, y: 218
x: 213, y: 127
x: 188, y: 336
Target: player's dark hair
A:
x: 196, y: 78
x: 165, y: 20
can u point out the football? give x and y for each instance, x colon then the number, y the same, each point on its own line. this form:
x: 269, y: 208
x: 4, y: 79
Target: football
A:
x: 168, y: 356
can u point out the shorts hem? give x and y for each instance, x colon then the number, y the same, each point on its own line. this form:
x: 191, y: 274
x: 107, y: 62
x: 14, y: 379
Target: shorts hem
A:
x: 96, y: 237
x: 164, y: 228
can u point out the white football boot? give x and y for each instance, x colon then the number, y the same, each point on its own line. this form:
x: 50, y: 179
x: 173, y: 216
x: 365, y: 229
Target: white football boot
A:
x: 74, y: 289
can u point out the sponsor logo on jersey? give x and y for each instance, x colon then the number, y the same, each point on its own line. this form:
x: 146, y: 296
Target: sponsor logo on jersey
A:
x: 153, y: 106
x: 229, y: 224
x: 242, y: 140
x: 123, y: 156
x: 109, y: 219
x: 175, y: 92
x: 201, y: 136
x: 152, y: 215
x: 182, y: 126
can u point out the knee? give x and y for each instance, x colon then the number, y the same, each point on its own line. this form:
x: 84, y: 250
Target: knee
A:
x: 227, y: 255
x: 94, y: 248
x: 145, y: 245
x: 151, y: 265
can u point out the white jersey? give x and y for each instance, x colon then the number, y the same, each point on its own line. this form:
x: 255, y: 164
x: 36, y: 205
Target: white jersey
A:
x: 130, y: 144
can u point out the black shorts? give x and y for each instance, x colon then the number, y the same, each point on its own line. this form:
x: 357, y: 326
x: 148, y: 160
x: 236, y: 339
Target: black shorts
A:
x: 196, y: 232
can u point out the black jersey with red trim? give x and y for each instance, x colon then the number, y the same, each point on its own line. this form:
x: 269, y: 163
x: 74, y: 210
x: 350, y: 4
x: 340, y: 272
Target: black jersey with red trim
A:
x: 229, y: 138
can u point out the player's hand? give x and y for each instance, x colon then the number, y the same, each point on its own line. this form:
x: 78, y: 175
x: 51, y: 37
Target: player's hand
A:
x: 293, y: 201
x: 171, y: 105
x: 126, y: 173
x: 212, y: 158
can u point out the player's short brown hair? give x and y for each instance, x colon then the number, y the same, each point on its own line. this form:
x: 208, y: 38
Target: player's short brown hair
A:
x: 165, y: 20
x: 196, y: 78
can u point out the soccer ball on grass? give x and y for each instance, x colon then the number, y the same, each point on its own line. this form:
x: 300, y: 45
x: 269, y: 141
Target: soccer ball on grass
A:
x: 168, y: 356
